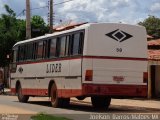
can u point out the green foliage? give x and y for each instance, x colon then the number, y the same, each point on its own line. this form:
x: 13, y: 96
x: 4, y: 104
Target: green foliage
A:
x: 10, y: 11
x: 43, y: 116
x: 13, y: 30
x: 8, y: 34
x: 38, y: 26
x: 152, y: 25
x: 21, y: 29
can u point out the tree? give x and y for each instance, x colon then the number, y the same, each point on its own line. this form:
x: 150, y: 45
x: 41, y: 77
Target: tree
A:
x: 13, y: 30
x: 38, y: 26
x: 152, y: 25
x: 21, y: 29
x: 8, y: 34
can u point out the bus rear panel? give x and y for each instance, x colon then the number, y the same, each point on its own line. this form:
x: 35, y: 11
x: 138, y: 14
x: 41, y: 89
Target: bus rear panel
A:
x: 115, y: 61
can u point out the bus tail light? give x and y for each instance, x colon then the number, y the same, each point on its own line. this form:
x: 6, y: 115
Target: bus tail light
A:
x: 145, y: 77
x: 89, y: 75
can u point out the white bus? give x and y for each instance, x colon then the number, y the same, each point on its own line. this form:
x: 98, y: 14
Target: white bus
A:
x: 97, y: 60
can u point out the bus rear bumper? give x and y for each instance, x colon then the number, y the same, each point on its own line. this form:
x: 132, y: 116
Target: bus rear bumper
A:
x: 115, y: 90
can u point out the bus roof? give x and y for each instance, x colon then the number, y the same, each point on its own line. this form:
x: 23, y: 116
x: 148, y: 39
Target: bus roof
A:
x: 54, y: 34
x: 84, y: 26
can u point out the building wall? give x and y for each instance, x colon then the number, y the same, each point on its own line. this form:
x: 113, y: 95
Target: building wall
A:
x: 157, y: 81
x: 154, y: 79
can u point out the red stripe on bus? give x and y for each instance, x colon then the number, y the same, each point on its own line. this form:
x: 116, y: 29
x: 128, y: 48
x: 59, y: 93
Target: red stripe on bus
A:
x: 29, y: 91
x: 116, y: 58
x: 84, y: 57
x: 65, y: 93
x: 115, y: 90
x: 38, y: 92
x: 93, y: 89
x: 47, y: 60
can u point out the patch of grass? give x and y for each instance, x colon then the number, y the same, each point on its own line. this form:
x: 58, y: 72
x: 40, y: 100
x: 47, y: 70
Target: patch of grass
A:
x: 43, y: 116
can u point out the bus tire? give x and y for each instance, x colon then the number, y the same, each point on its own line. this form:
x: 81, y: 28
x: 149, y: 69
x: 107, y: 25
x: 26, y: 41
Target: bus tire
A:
x: 22, y: 98
x: 100, y: 102
x: 81, y: 97
x: 55, y: 100
x: 65, y: 102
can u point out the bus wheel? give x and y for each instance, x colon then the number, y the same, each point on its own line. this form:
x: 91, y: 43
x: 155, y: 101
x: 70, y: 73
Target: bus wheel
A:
x: 65, y: 102
x: 56, y: 101
x: 22, y: 98
x: 101, y: 102
x: 81, y: 97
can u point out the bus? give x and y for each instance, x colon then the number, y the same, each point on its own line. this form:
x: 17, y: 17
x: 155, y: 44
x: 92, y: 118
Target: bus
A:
x: 97, y: 60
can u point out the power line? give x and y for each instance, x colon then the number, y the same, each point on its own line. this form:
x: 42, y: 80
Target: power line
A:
x: 53, y: 4
x: 39, y: 7
x: 63, y: 2
x: 22, y: 12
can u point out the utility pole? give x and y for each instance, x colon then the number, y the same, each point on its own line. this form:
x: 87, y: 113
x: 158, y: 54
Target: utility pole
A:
x: 28, y: 20
x: 51, y: 16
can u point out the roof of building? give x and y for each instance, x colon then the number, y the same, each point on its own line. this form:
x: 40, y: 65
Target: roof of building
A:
x: 154, y: 54
x: 154, y: 42
x: 149, y: 37
x: 67, y: 26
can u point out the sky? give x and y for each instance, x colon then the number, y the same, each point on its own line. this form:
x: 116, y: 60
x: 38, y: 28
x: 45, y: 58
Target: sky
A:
x: 115, y: 11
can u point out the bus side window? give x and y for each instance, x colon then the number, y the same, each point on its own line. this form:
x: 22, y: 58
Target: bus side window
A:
x: 67, y: 45
x: 15, y: 55
x: 21, y: 53
x: 24, y: 52
x: 53, y: 47
x: 75, y: 44
x: 40, y: 50
x: 62, y: 46
x: 81, y: 43
x: 28, y: 51
x: 18, y: 54
x: 34, y: 55
x: 45, y: 49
